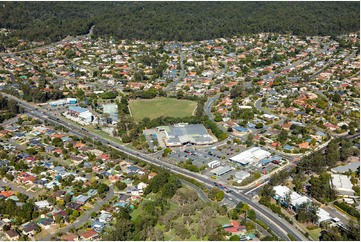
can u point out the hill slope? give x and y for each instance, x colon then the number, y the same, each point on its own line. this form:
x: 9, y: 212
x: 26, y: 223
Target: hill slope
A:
x: 177, y: 20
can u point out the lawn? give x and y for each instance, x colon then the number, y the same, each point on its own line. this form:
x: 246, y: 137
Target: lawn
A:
x: 167, y: 107
x: 222, y: 220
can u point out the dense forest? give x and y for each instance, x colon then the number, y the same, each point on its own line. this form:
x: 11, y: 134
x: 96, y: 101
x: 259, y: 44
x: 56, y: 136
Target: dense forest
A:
x: 51, y: 21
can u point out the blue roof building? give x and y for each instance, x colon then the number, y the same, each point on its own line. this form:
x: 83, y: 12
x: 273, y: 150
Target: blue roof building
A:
x: 288, y: 147
x: 241, y: 129
x: 78, y: 109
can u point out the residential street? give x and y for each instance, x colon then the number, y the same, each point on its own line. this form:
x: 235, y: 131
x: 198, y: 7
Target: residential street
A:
x: 84, y: 218
x: 17, y: 188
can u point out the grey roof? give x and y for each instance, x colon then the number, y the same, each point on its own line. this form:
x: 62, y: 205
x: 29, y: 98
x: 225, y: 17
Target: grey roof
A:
x: 351, y: 166
x: 191, y: 133
x: 81, y: 198
x: 124, y: 197
x: 219, y: 171
x: 242, y: 174
x: 78, y: 109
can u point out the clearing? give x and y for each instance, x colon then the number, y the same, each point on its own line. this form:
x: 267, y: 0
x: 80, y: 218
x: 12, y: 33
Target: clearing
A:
x: 163, y: 106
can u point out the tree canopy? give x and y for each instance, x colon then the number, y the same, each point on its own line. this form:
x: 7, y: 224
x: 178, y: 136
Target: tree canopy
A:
x: 184, y: 21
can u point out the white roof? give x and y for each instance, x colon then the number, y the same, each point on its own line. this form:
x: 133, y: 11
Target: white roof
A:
x: 242, y: 175
x: 58, y: 102
x: 342, y: 182
x: 213, y: 162
x: 42, y: 204
x: 323, y: 215
x: 85, y: 114
x: 295, y: 198
x: 245, y: 107
x: 250, y: 156
x: 281, y: 191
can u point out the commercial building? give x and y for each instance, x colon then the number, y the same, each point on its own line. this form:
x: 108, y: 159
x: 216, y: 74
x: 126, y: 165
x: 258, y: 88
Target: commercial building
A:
x: 221, y: 170
x: 342, y: 184
x: 82, y: 113
x: 214, y: 164
x: 112, y: 110
x: 58, y: 103
x: 184, y: 134
x: 350, y: 166
x: 63, y: 102
x: 250, y: 156
x: 294, y: 199
x: 241, y: 175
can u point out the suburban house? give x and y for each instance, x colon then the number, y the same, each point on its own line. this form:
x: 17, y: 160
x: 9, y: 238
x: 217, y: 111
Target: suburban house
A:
x: 81, y: 199
x: 12, y: 235
x: 89, y: 235
x: 43, y: 204
x: 30, y: 229
x: 26, y: 178
x: 235, y: 228
x: 73, y: 205
x: 45, y: 223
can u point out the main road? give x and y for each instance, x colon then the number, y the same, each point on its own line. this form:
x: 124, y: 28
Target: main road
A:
x: 279, y: 226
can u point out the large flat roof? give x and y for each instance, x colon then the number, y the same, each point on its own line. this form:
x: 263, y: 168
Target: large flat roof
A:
x: 179, y: 134
x: 221, y: 170
x: 342, y: 183
x: 250, y: 156
x: 350, y: 166
x: 78, y: 109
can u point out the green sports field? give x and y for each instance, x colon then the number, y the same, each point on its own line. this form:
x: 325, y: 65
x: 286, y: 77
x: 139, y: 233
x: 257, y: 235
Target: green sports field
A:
x: 153, y: 108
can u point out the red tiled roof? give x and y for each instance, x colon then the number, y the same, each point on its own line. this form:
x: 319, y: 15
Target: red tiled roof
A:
x: 6, y: 193
x: 235, y: 223
x: 89, y: 234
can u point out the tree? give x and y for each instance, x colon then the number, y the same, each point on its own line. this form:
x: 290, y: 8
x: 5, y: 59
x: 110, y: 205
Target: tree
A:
x: 321, y: 188
x: 249, y: 141
x: 120, y: 185
x: 213, y: 193
x: 307, y: 212
x: 58, y: 218
x: 180, y: 94
x: 67, y: 198
x: 252, y: 215
x: 220, y: 195
x: 234, y: 238
x: 103, y: 188
x: 166, y: 152
x: 123, y: 230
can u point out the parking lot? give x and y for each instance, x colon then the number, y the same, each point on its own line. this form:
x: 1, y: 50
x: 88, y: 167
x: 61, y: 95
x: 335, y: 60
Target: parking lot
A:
x: 202, y: 156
